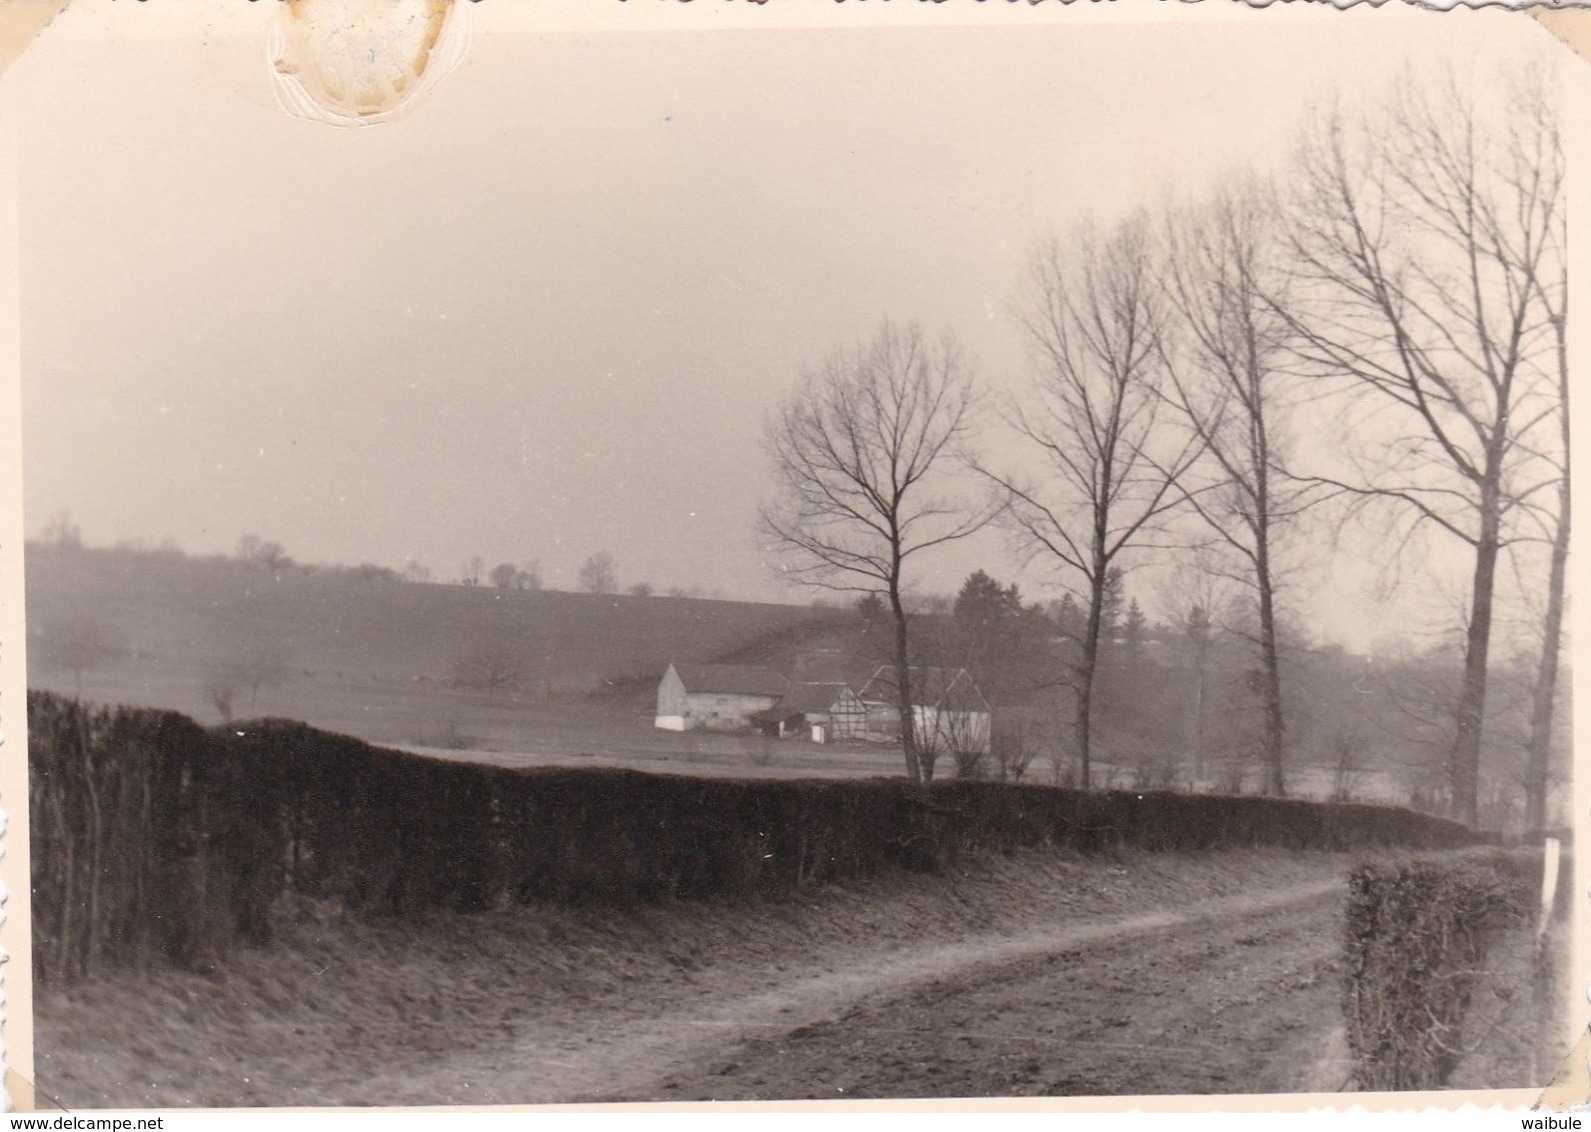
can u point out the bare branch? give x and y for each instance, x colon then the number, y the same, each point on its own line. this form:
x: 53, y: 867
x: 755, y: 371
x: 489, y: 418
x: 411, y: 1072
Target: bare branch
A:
x: 862, y: 454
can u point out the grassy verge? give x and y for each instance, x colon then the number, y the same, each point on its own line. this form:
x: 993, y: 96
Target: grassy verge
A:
x: 352, y: 1009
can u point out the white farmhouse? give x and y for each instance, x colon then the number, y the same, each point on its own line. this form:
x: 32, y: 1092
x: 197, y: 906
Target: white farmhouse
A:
x: 716, y: 696
x: 949, y: 713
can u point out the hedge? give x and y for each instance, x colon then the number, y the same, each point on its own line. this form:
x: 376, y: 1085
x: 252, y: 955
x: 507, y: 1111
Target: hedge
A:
x: 180, y: 840
x: 131, y: 856
x: 1418, y: 934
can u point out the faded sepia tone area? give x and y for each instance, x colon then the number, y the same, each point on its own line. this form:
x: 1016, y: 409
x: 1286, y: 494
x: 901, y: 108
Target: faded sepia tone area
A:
x: 796, y: 562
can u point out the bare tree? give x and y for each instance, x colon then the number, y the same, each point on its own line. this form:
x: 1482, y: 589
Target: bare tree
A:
x: 266, y: 554
x: 1419, y: 246
x: 260, y: 665
x: 1194, y: 599
x: 470, y: 570
x: 1017, y: 737
x: 1224, y: 376
x: 1539, y: 152
x: 597, y: 574
x: 252, y: 668
x: 77, y: 643
x: 416, y: 572
x: 860, y: 453
x: 491, y: 666
x: 62, y: 531
x: 1095, y: 323
x: 1347, y: 747
x: 222, y: 691
x: 505, y: 576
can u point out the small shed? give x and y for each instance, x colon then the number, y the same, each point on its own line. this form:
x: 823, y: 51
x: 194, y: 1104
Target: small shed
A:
x: 779, y: 721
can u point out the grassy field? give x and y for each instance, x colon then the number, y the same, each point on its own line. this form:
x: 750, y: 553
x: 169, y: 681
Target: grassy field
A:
x: 374, y: 659
x: 173, y: 612
x: 507, y: 730
x: 557, y: 729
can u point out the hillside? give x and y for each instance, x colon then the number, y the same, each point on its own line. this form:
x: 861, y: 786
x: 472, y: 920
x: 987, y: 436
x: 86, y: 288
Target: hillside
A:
x: 156, y: 629
x: 351, y: 652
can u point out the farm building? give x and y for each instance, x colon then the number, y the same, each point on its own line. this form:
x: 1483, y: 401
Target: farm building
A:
x: 949, y: 713
x: 718, y: 696
x: 778, y: 721
x: 831, y: 712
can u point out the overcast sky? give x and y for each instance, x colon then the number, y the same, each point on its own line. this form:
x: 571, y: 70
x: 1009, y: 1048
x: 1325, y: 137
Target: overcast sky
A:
x: 547, y: 312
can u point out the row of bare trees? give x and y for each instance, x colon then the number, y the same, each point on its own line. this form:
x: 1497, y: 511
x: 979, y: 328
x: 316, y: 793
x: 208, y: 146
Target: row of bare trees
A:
x: 598, y: 574
x: 1376, y: 333
x: 1431, y: 273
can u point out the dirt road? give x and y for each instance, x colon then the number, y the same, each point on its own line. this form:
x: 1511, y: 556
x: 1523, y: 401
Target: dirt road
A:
x: 1242, y: 998
x: 1236, y: 995
x: 1028, y: 974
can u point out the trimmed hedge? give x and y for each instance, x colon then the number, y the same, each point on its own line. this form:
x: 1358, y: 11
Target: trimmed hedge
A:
x: 401, y: 832
x: 207, y: 830
x: 130, y: 851
x: 1418, y: 934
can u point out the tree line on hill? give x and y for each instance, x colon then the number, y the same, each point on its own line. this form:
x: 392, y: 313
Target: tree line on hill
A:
x: 82, y: 643
x: 242, y: 662
x: 598, y: 573
x: 1368, y: 345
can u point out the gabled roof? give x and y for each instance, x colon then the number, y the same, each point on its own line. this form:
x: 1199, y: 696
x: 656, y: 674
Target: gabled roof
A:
x: 813, y: 697
x: 732, y: 679
x: 949, y: 689
x: 961, y: 694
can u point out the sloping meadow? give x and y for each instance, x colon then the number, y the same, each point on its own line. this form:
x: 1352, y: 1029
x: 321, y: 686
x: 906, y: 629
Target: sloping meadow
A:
x: 154, y: 839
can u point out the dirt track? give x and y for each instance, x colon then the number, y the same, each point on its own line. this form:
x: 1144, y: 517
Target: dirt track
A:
x: 1028, y: 975
x: 1031, y: 974
x: 1241, y: 998
x: 1234, y: 996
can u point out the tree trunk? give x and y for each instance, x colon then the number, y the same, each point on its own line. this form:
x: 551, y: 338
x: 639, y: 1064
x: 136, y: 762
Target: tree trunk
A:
x: 1086, y: 672
x: 916, y: 771
x: 1544, y: 697
x: 1275, y: 724
x: 96, y: 852
x: 1271, y: 681
x: 147, y: 839
x: 65, y: 926
x: 1464, y: 765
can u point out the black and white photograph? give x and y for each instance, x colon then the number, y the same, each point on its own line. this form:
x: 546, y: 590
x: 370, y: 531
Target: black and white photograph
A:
x: 579, y: 553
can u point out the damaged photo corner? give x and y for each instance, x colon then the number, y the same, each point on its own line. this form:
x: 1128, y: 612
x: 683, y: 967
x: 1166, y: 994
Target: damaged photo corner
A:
x: 979, y: 558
